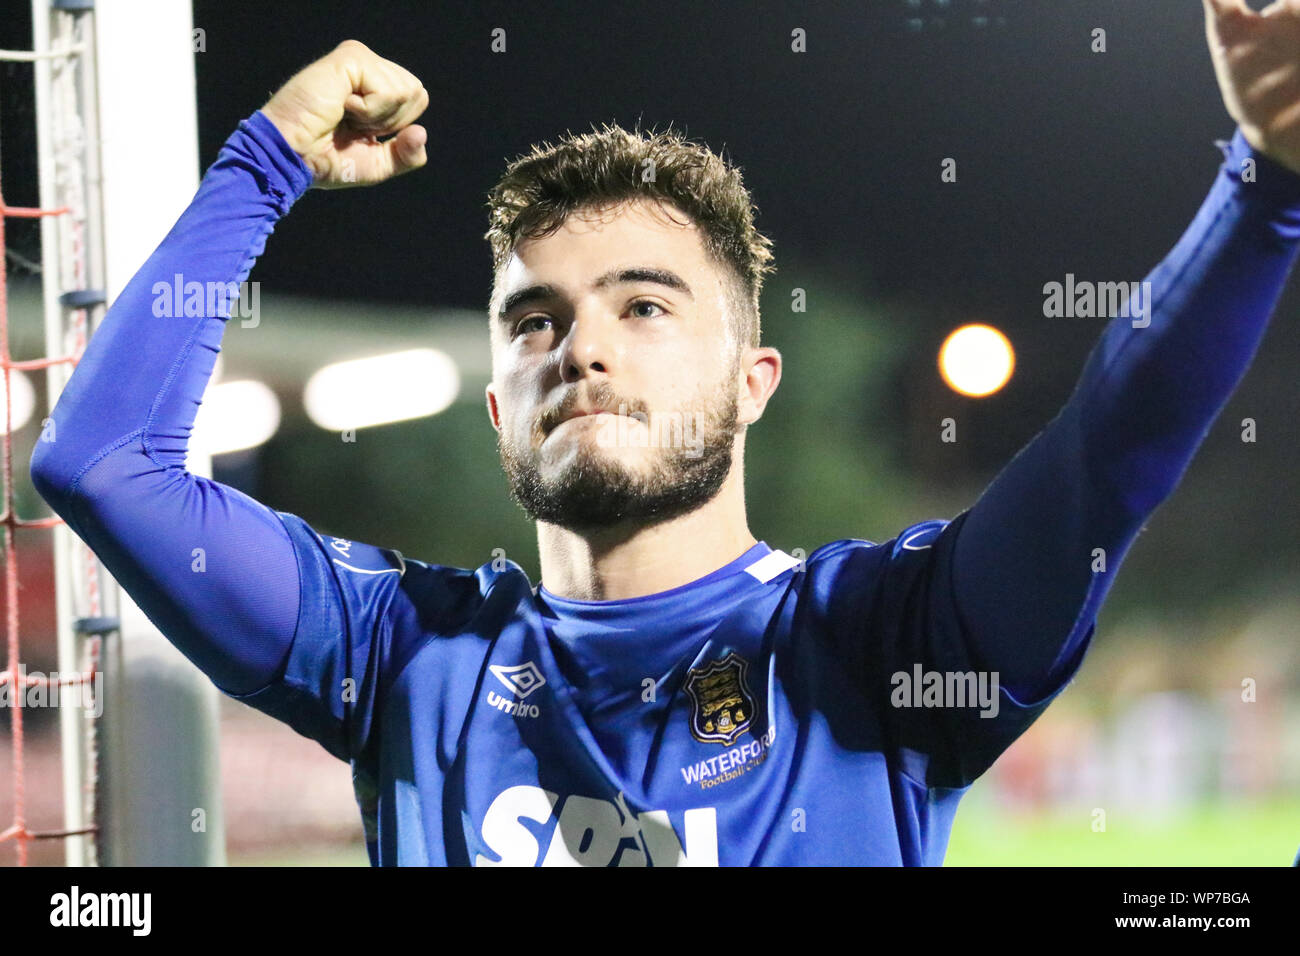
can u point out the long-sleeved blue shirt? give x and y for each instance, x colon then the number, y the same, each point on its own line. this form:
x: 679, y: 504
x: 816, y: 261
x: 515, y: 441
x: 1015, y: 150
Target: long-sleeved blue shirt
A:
x: 773, y: 712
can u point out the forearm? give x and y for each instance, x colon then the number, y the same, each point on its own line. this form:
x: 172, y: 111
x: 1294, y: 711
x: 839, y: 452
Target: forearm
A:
x: 143, y: 373
x: 1027, y: 572
x: 1149, y: 395
x: 210, y: 566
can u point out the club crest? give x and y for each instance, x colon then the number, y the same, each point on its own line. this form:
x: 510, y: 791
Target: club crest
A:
x: 722, y: 707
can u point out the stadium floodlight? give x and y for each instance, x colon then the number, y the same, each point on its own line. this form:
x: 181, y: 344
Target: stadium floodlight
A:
x: 235, y: 416
x: 976, y: 360
x: 360, y: 393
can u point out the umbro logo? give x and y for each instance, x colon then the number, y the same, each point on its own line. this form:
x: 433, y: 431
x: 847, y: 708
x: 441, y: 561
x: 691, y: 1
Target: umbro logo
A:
x: 922, y: 536
x: 522, y: 679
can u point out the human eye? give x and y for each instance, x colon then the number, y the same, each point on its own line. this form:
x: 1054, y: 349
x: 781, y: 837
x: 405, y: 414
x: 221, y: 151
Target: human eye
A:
x: 640, y: 302
x: 522, y: 327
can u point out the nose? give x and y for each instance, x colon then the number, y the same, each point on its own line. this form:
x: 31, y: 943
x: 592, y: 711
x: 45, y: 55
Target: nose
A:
x: 589, y: 347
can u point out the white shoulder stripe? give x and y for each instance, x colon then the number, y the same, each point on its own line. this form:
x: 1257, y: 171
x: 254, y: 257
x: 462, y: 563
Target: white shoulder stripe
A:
x: 770, y: 565
x: 367, y: 570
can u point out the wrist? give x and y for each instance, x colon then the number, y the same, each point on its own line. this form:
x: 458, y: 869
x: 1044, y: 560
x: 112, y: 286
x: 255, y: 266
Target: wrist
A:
x: 260, y: 141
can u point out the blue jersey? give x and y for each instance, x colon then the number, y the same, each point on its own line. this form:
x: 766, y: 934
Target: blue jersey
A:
x: 750, y: 717
x: 832, y: 710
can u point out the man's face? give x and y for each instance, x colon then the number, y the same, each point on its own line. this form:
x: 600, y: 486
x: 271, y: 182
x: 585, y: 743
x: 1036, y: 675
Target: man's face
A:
x: 622, y: 311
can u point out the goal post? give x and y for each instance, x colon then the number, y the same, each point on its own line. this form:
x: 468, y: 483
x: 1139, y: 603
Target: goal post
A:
x: 126, y: 164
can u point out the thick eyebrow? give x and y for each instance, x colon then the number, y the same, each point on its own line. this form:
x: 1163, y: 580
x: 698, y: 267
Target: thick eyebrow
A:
x: 544, y: 292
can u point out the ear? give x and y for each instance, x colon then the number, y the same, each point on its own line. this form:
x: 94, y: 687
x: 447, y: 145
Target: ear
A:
x: 762, y: 370
x: 494, y: 413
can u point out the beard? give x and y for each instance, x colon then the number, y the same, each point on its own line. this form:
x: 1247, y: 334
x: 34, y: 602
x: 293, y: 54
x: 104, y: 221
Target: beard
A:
x: 597, y: 490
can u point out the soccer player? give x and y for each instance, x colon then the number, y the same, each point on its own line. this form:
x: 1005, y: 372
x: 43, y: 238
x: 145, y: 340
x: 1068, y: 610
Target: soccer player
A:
x: 673, y: 691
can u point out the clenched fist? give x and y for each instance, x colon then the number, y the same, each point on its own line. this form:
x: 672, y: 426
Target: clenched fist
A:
x: 333, y: 112
x: 1257, y: 62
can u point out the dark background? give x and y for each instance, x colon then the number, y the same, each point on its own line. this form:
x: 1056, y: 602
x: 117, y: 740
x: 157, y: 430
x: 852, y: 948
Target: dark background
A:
x: 1068, y: 161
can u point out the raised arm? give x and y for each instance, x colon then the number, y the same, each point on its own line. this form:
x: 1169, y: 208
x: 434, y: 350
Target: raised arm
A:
x: 114, y: 467
x: 1027, y: 575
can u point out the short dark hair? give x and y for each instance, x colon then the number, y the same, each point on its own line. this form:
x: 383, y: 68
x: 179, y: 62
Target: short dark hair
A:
x: 539, y: 191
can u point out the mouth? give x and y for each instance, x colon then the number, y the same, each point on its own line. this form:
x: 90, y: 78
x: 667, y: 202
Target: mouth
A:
x: 583, y: 417
x: 580, y: 416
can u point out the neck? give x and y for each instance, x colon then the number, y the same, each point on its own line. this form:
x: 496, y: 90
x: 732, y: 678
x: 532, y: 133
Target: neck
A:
x: 616, y: 563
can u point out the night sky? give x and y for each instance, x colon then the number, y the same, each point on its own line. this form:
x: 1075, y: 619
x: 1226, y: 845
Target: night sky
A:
x: 1068, y: 160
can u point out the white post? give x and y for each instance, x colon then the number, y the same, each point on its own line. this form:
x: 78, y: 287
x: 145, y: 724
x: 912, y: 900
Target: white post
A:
x: 159, y: 776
